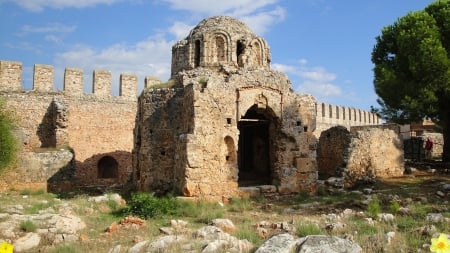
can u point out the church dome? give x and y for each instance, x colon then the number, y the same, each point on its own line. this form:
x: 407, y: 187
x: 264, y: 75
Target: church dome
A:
x: 220, y: 41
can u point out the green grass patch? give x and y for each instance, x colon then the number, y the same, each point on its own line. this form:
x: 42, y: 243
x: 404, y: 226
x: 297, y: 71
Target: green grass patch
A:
x: 248, y: 233
x: 27, y: 226
x: 65, y: 248
x: 308, y: 228
x: 374, y: 207
x: 240, y: 204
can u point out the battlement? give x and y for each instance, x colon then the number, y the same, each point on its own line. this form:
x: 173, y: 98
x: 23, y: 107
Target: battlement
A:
x: 328, y: 115
x: 43, y: 81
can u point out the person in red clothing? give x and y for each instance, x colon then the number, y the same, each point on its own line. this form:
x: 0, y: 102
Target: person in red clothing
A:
x: 428, y: 148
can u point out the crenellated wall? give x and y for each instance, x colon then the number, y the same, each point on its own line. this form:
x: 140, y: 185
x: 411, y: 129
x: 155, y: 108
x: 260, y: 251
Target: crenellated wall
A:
x: 98, y: 127
x: 328, y: 116
x: 43, y: 81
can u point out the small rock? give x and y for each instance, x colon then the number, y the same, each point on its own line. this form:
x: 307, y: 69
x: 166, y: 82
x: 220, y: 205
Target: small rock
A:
x: 435, y: 217
x: 367, y: 191
x: 335, y: 226
x: 225, y: 224
x: 445, y: 187
x: 386, y: 217
x: 389, y: 237
x: 428, y: 230
x: 178, y: 223
x: 166, y: 230
x: 27, y: 242
x: 262, y: 232
x: 440, y: 194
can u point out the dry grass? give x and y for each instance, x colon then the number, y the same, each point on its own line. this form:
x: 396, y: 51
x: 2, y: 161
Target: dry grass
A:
x: 305, y: 212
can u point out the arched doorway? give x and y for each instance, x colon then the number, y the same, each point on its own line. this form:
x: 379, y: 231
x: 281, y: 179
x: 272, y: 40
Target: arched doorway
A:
x: 255, y: 153
x: 107, y: 167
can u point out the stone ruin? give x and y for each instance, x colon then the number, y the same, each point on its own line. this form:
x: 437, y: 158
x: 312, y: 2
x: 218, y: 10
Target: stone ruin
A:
x: 228, y: 122
x: 360, y: 155
x: 223, y: 125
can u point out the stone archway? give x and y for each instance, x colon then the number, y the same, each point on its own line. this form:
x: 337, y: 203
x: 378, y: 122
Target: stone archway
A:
x: 255, y: 153
x: 107, y: 167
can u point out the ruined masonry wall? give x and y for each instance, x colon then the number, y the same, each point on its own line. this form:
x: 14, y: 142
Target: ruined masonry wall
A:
x: 374, y: 152
x: 93, y: 125
x: 157, y: 141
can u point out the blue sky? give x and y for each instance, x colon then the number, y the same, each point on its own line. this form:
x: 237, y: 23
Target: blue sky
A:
x: 324, y: 46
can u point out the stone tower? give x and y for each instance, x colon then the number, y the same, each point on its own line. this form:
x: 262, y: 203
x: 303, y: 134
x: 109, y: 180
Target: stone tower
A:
x: 225, y: 121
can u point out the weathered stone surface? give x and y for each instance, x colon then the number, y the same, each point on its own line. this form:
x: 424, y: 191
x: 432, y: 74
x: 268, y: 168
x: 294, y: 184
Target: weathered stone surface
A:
x: 329, y: 244
x: 27, y: 242
x: 225, y: 224
x: 282, y: 243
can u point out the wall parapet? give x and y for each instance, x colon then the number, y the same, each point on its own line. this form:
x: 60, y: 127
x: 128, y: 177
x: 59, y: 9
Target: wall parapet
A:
x: 328, y: 115
x: 43, y: 81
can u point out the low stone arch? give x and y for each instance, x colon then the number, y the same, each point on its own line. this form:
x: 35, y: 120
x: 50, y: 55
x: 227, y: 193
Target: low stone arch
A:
x: 107, y: 167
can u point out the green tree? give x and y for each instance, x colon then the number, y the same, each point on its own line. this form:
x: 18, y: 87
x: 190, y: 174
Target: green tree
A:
x: 8, y: 142
x: 412, y: 68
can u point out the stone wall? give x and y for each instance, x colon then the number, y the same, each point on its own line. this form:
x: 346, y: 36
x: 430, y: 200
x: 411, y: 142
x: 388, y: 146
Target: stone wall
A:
x: 362, y: 154
x: 328, y: 116
x: 332, y: 151
x: 374, y: 152
x: 94, y: 126
x: 40, y: 170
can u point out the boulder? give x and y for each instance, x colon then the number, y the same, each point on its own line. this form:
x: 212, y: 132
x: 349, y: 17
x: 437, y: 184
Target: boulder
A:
x: 329, y: 244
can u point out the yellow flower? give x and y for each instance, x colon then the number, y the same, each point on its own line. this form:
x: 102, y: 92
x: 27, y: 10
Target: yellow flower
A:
x: 440, y: 245
x: 6, y: 248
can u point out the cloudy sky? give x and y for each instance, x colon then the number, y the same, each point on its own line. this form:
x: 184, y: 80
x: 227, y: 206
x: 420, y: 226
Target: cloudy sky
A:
x: 324, y: 46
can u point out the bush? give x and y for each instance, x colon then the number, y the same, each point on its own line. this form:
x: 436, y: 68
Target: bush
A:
x: 146, y: 205
x: 8, y: 142
x: 308, y: 228
x: 394, y: 207
x: 374, y: 207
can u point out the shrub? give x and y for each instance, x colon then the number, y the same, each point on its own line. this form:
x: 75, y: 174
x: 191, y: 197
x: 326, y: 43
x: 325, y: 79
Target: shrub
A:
x: 146, y: 205
x: 374, y: 207
x: 8, y: 142
x: 394, y: 207
x: 28, y: 226
x: 308, y: 228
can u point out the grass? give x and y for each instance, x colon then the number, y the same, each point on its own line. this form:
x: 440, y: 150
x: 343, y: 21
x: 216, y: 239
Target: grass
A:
x: 374, y: 207
x: 28, y: 226
x: 308, y: 228
x: 304, y: 210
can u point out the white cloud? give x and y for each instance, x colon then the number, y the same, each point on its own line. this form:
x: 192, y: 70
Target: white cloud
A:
x: 39, y: 5
x: 150, y: 57
x: 49, y: 28
x: 257, y: 14
x: 180, y: 30
x: 316, y: 81
x: 242, y: 7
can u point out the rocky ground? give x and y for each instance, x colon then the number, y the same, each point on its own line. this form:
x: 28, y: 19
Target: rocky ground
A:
x: 394, y: 215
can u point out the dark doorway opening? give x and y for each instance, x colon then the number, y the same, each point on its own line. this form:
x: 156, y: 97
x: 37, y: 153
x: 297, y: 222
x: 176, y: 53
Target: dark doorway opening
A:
x: 254, y: 148
x: 107, y: 167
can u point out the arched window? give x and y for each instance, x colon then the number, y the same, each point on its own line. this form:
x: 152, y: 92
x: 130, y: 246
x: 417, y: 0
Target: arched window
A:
x: 230, y: 157
x: 197, y: 54
x: 220, y: 49
x: 107, y: 167
x: 240, y: 47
